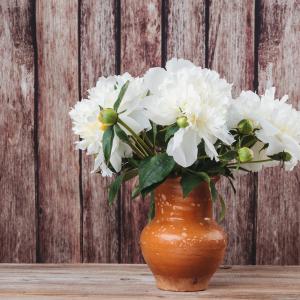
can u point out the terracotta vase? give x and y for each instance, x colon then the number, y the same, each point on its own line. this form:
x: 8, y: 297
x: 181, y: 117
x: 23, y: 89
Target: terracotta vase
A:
x: 183, y: 245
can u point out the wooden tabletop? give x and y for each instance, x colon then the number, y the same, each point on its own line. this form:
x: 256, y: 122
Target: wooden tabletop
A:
x: 103, y: 281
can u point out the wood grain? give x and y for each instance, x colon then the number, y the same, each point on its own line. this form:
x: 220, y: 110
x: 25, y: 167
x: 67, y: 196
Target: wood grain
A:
x: 186, y: 30
x: 136, y: 282
x: 140, y: 49
x: 278, y: 211
x: 231, y: 53
x: 59, y: 202
x: 100, y: 221
x: 17, y: 167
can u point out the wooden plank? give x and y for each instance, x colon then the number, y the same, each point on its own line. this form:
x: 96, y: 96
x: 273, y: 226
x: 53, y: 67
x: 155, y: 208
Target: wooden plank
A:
x: 17, y: 169
x: 59, y: 203
x: 278, y: 207
x: 100, y: 221
x: 136, y: 282
x: 186, y: 31
x: 231, y: 53
x: 140, y: 49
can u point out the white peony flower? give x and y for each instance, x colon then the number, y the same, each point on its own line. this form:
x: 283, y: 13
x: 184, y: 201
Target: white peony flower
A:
x: 277, y: 121
x: 184, y: 89
x: 105, y: 94
x: 280, y: 126
x: 86, y: 123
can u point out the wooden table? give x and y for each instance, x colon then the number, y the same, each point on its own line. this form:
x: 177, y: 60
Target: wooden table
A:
x: 103, y: 281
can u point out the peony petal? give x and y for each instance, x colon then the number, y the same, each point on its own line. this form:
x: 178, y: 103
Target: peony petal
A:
x: 210, y: 148
x: 175, y: 65
x: 184, y: 147
x: 160, y: 111
x: 153, y: 79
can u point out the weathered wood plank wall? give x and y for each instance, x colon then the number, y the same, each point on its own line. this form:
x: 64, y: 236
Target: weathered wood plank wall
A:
x: 51, y: 52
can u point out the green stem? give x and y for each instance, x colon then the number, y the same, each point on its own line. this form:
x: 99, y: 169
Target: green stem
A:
x: 136, y: 137
x: 202, y: 157
x: 251, y: 162
x: 137, y: 151
x: 147, y: 140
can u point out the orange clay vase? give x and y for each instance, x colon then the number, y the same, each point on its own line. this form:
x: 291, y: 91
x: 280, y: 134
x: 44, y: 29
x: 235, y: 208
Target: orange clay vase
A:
x: 183, y: 245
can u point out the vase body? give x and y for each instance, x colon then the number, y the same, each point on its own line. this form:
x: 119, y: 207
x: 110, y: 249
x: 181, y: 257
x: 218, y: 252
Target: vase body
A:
x: 183, y: 245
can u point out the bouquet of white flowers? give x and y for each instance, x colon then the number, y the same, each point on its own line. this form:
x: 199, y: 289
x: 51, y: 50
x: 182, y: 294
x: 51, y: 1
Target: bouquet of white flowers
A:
x: 181, y: 121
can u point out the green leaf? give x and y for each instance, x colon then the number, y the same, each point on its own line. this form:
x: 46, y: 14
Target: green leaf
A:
x: 229, y: 155
x: 133, y: 162
x: 151, y: 212
x: 114, y: 188
x: 223, y: 209
x: 121, y: 95
x: 248, y: 141
x: 116, y: 184
x: 204, y: 176
x: 189, y: 182
x: 154, y: 169
x: 137, y: 191
x: 265, y: 146
x: 171, y: 131
x: 150, y: 189
x: 121, y: 134
x: 213, y: 191
x: 107, y: 142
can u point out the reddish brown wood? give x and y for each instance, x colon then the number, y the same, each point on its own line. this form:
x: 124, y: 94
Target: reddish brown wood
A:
x: 231, y: 52
x: 140, y: 49
x: 17, y: 168
x: 100, y: 222
x: 59, y: 202
x: 278, y: 211
x: 186, y: 30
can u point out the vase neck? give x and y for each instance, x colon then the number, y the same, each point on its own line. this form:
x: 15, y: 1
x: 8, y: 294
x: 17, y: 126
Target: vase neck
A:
x: 171, y: 205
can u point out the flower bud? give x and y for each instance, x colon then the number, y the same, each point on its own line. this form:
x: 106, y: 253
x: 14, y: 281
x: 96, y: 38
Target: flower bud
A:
x: 281, y: 156
x: 286, y: 156
x: 182, y: 122
x: 245, y: 154
x: 103, y: 127
x: 108, y: 116
x: 245, y: 126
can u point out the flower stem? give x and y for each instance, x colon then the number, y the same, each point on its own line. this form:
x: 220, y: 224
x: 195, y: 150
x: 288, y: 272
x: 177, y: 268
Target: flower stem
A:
x: 137, y: 151
x: 147, y: 140
x: 251, y: 162
x: 136, y: 137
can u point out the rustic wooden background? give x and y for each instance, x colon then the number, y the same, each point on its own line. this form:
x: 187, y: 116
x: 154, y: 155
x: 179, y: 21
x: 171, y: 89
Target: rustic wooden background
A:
x: 51, y: 208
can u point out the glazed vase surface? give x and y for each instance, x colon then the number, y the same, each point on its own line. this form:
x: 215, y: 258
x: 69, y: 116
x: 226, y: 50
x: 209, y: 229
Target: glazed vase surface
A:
x: 183, y: 245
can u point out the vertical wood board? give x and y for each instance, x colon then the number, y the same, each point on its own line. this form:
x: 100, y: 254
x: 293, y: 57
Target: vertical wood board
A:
x: 278, y: 211
x: 140, y: 49
x: 59, y: 196
x: 97, y: 57
x: 17, y: 167
x: 231, y: 53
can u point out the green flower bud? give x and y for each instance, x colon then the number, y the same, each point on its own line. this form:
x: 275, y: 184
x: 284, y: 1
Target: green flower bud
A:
x: 108, y: 116
x: 281, y: 156
x: 182, y: 122
x: 245, y: 154
x: 286, y: 156
x: 245, y: 126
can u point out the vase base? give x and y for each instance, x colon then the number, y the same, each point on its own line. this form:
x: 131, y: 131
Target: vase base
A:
x: 175, y: 284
